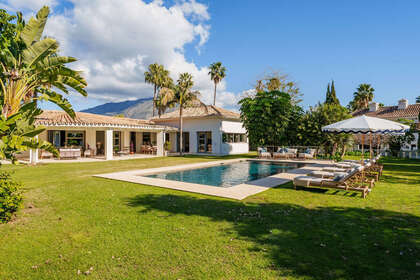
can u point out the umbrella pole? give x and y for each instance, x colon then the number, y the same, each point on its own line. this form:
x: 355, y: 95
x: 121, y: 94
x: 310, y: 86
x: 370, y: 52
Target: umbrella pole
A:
x: 378, y: 145
x: 370, y: 146
x: 363, y: 148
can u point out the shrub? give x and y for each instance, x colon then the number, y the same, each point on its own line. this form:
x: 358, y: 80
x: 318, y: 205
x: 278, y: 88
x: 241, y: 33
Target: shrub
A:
x: 10, y: 197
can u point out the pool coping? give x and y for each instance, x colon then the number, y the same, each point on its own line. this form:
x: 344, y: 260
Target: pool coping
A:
x: 237, y: 192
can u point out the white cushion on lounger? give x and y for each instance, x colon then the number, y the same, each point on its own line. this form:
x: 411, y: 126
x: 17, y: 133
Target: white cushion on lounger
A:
x: 334, y: 169
x: 305, y: 181
x: 324, y: 174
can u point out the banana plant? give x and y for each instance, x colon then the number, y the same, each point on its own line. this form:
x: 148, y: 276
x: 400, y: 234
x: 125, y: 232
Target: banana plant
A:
x: 18, y: 131
x: 36, y: 71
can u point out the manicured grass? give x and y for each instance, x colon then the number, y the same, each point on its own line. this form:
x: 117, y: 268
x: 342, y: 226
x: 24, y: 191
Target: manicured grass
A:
x: 73, y: 221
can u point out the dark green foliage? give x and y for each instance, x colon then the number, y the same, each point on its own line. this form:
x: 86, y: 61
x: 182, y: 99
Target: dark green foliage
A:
x: 17, y: 132
x: 397, y: 141
x: 331, y: 96
x: 310, y: 127
x: 10, y: 197
x: 268, y: 117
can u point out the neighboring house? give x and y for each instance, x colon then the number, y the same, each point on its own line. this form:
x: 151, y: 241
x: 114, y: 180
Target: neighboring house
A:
x: 403, y: 110
x: 208, y: 130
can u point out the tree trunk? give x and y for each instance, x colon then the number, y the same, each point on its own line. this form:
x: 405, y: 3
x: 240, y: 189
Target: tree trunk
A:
x: 154, y: 101
x: 214, y: 101
x: 344, y: 150
x: 181, y: 143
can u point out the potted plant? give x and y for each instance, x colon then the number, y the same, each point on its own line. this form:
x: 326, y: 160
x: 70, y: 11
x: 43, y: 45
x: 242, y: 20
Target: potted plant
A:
x: 167, y: 148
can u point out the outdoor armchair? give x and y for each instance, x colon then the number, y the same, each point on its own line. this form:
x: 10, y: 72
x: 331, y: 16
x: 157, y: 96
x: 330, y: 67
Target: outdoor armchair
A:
x: 308, y: 154
x: 262, y: 153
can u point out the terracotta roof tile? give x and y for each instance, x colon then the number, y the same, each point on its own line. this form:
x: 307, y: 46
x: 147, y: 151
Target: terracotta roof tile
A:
x: 52, y: 117
x: 391, y: 112
x: 200, y: 112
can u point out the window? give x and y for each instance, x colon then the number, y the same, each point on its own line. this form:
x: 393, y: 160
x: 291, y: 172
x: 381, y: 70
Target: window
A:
x: 234, y: 138
x: 75, y: 138
x: 147, y: 138
x: 117, y: 141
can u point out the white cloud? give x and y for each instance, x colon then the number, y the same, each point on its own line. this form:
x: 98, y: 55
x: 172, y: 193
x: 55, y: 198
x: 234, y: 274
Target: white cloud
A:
x: 115, y: 42
x: 24, y: 5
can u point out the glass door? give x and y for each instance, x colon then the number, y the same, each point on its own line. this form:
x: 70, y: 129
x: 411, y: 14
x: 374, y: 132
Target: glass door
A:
x: 204, y: 142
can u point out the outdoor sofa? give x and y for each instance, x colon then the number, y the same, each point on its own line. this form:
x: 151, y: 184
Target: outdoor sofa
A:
x: 285, y: 153
x: 70, y: 153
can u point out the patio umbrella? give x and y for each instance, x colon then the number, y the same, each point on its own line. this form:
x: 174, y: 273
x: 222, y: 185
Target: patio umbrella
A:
x: 366, y: 125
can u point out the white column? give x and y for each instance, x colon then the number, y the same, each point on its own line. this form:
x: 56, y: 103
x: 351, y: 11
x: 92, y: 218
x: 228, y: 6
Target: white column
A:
x: 33, y: 154
x: 109, y: 153
x: 125, y: 139
x: 160, y: 142
x: 174, y: 141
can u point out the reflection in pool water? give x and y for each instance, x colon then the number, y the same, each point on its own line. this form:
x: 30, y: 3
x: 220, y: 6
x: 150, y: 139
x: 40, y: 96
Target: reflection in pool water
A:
x: 228, y: 175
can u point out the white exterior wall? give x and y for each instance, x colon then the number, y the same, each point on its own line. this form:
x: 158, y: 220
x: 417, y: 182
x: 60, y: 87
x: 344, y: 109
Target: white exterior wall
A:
x: 234, y: 148
x: 217, y: 128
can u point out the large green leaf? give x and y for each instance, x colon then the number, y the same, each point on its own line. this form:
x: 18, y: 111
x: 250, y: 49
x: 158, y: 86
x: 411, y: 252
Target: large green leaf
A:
x: 59, y: 100
x: 35, y: 27
x: 39, y: 50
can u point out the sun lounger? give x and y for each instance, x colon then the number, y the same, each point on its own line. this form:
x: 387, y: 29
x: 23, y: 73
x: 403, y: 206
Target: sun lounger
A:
x: 325, y: 174
x: 344, y: 182
x: 334, y: 169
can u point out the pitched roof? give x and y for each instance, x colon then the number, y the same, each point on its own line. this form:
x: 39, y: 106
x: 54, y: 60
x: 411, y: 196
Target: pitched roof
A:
x: 208, y: 111
x: 61, y: 118
x: 391, y: 112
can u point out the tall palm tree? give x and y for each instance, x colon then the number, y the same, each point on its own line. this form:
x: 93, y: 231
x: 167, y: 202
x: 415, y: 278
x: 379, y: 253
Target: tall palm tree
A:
x: 182, y: 95
x: 418, y: 99
x: 362, y: 96
x: 217, y: 73
x: 35, y: 70
x: 159, y: 77
x: 160, y: 105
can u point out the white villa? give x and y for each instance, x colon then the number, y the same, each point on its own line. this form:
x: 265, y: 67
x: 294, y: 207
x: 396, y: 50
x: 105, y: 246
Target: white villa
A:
x: 207, y: 130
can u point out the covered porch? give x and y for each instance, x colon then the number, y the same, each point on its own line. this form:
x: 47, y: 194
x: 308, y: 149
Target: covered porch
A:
x: 88, y: 137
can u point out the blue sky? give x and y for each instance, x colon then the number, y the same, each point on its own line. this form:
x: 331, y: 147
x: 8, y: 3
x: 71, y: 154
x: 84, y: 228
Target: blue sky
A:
x: 352, y: 42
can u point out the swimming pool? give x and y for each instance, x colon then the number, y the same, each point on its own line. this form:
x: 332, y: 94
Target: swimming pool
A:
x: 227, y: 175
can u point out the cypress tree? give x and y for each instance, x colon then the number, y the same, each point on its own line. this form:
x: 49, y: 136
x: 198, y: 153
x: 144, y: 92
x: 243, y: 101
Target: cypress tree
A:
x: 328, y: 95
x: 331, y: 95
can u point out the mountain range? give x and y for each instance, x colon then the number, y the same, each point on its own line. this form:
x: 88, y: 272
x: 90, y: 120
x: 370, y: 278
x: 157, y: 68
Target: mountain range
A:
x: 136, y: 109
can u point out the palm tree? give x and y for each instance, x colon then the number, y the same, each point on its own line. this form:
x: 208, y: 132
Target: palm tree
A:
x: 182, y: 95
x: 418, y: 99
x: 362, y: 96
x: 159, y: 77
x: 35, y: 70
x: 159, y: 104
x: 217, y: 73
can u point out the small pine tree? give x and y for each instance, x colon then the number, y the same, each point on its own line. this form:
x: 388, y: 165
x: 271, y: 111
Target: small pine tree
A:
x: 331, y: 95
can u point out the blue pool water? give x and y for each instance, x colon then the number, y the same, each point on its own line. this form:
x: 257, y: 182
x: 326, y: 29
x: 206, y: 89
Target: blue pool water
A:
x: 228, y: 175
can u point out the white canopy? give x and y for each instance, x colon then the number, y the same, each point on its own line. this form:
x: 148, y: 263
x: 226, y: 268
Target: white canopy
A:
x: 365, y: 125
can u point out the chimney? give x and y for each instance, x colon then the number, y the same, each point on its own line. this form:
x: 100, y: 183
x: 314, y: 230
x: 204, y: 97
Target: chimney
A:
x: 402, y: 104
x: 373, y: 107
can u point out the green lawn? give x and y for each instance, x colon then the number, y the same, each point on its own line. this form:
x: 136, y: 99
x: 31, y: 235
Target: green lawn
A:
x: 73, y: 221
